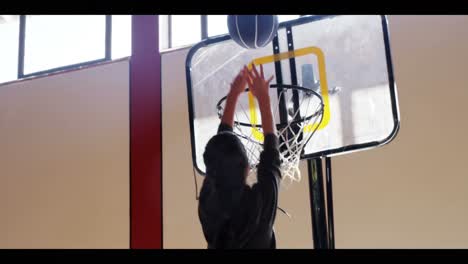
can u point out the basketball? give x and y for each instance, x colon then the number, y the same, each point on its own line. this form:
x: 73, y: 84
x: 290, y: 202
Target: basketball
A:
x: 252, y: 31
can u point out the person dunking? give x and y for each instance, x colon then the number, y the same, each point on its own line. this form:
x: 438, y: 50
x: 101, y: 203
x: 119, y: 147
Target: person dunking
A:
x: 234, y: 215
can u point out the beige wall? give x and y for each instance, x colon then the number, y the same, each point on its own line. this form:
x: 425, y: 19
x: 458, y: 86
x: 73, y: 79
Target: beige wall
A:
x: 408, y: 194
x: 64, y: 160
x: 413, y: 192
x: 180, y: 223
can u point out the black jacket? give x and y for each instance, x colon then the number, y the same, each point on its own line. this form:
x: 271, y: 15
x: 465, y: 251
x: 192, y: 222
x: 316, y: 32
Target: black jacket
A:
x: 249, y: 225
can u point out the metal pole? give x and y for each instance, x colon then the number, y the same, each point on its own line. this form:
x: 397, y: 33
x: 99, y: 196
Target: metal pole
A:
x: 317, y: 205
x: 331, y: 233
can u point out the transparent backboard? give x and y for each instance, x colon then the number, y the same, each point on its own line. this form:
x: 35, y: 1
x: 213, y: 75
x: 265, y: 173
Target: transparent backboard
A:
x: 345, y: 59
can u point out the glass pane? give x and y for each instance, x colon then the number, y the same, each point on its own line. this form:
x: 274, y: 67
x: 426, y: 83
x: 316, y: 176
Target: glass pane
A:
x: 56, y: 41
x: 186, y: 30
x: 282, y: 18
x: 121, y: 36
x: 9, y: 32
x: 217, y: 25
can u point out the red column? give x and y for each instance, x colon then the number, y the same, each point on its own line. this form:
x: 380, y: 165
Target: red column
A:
x: 145, y: 135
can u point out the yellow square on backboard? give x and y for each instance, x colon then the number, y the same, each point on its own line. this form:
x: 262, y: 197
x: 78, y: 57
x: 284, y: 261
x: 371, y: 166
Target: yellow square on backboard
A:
x: 323, y: 86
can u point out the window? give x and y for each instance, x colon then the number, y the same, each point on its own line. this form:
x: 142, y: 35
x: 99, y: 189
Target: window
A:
x: 49, y: 43
x: 282, y: 18
x: 56, y: 41
x: 9, y: 32
x: 121, y: 36
x: 184, y: 30
x: 217, y: 25
x: 189, y: 29
x: 35, y: 44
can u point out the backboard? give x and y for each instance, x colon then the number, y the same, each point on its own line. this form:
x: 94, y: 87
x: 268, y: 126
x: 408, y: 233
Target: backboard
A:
x: 346, y: 59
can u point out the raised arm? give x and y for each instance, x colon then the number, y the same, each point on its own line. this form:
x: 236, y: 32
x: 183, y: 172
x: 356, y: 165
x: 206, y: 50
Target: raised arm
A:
x: 259, y: 88
x: 269, y: 165
x: 237, y: 87
x: 268, y: 171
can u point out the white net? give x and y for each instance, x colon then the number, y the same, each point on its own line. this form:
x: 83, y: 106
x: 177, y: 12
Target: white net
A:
x: 298, y: 113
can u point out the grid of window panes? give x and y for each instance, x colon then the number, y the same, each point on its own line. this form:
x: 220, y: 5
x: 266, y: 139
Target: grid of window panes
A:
x: 52, y: 42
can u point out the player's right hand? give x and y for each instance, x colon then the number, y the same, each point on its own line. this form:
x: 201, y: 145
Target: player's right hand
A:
x: 257, y: 83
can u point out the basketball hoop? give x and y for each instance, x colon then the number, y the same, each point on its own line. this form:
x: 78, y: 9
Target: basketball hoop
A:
x: 300, y: 112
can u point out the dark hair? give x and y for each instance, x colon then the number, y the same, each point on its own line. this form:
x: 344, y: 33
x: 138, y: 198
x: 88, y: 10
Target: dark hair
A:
x: 226, y: 161
x: 223, y: 188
